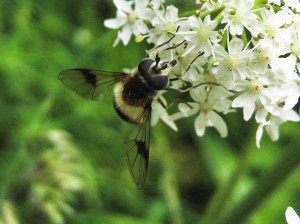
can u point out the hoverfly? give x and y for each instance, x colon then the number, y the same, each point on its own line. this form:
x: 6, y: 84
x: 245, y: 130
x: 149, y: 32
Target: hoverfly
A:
x: 134, y: 93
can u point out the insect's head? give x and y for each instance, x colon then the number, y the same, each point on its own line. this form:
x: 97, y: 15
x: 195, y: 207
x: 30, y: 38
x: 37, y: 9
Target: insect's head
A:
x: 155, y: 72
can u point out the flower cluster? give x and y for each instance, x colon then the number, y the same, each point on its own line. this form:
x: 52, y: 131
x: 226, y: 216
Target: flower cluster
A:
x: 248, y: 48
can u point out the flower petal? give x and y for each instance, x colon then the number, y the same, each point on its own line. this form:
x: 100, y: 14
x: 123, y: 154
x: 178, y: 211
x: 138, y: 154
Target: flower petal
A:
x: 247, y: 101
x: 188, y: 111
x: 236, y: 46
x: 291, y: 216
x: 218, y: 122
x: 236, y: 29
x: 123, y: 5
x: 259, y: 134
x: 125, y: 34
x: 200, y: 124
x: 114, y: 23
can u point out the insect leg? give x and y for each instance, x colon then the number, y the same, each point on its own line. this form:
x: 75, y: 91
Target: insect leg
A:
x: 174, y: 79
x: 161, y: 103
x: 175, y: 102
x: 192, y: 87
x: 190, y: 64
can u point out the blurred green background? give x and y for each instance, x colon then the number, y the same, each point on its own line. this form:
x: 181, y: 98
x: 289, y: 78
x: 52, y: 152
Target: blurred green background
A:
x: 62, y: 158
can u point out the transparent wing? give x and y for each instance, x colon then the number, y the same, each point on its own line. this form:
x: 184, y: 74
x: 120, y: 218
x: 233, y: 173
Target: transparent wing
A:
x: 90, y: 83
x: 138, y: 152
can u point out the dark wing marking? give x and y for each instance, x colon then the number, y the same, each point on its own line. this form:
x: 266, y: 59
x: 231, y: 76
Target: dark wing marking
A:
x: 90, y: 83
x: 138, y: 152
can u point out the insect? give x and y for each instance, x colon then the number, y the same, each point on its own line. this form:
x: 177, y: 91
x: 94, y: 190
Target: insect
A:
x: 134, y: 93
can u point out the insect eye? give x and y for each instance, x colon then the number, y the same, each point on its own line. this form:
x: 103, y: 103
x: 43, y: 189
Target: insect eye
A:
x: 144, y: 66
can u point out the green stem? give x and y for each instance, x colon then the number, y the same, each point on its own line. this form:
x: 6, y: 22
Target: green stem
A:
x: 223, y: 194
x: 265, y: 186
x: 245, y: 38
x: 260, y: 3
x: 219, y: 18
x: 216, y: 11
x: 187, y: 14
x: 204, y: 13
x: 224, y: 39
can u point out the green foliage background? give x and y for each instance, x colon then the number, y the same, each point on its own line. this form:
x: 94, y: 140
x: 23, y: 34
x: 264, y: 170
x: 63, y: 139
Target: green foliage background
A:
x: 62, y: 157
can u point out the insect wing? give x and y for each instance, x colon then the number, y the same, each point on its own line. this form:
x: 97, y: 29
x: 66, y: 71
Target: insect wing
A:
x: 90, y: 83
x: 138, y: 152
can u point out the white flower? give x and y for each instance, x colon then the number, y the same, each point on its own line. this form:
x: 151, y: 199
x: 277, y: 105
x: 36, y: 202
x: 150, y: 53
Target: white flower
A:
x: 269, y: 54
x: 239, y: 14
x: 273, y: 25
x: 232, y: 63
x: 209, y: 103
x: 271, y: 122
x: 131, y: 21
x: 291, y: 216
x: 201, y: 34
x: 264, y: 91
x: 164, y: 23
x: 250, y: 98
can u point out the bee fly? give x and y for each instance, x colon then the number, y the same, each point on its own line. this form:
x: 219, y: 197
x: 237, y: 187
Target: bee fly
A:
x: 134, y: 93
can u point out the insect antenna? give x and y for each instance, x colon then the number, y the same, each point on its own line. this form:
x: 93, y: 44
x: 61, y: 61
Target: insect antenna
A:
x: 157, y: 60
x: 164, y: 43
x: 175, y: 46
